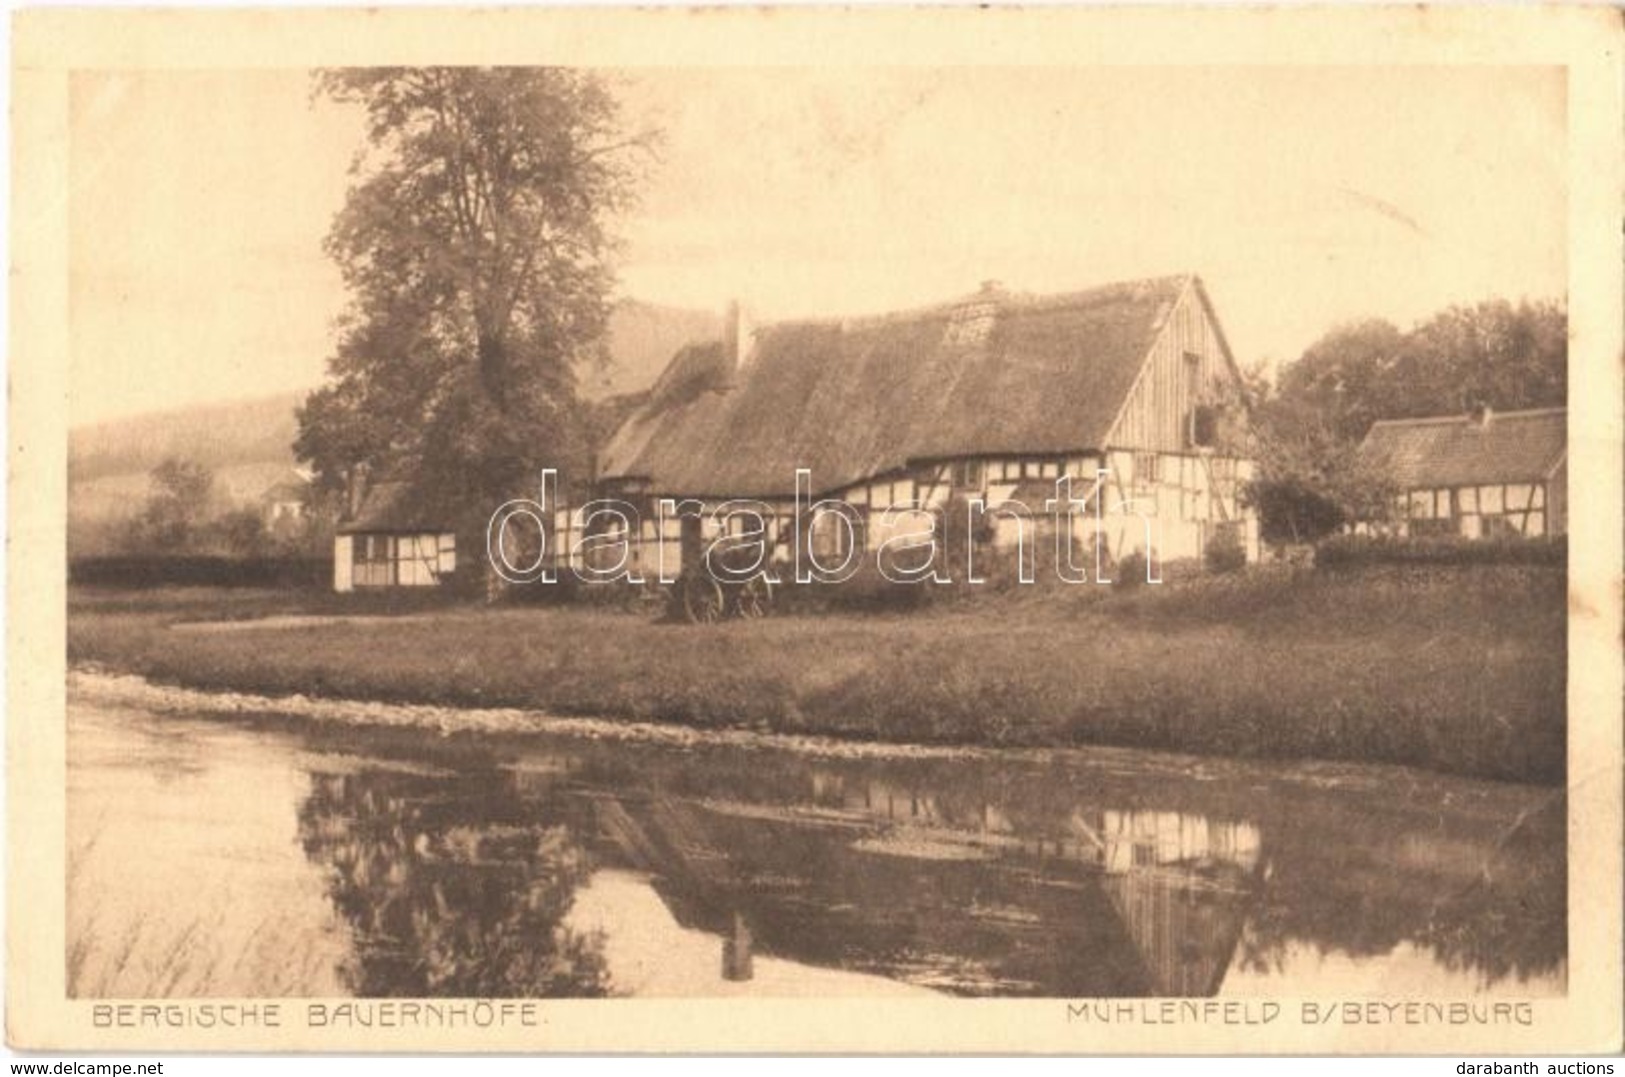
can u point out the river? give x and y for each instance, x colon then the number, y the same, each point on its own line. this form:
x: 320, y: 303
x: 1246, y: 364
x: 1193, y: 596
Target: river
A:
x: 215, y: 855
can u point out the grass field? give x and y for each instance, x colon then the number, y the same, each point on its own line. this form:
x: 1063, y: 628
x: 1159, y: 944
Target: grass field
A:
x: 1459, y: 670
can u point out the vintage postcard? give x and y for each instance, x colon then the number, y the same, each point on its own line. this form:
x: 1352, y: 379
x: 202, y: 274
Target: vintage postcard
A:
x: 738, y: 530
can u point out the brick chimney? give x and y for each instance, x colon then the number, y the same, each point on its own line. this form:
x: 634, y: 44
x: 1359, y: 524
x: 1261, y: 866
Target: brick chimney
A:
x: 730, y: 333
x: 355, y: 488
x: 737, y: 335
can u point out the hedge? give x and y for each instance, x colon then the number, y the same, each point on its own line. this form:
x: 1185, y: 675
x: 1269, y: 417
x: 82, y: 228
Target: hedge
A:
x: 196, y: 570
x: 1350, y: 551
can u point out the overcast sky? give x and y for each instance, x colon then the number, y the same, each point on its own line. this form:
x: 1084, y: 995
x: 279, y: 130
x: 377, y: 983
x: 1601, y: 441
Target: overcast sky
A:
x: 1304, y: 197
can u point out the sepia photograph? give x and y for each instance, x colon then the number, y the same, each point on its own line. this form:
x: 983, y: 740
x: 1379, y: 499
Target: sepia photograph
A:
x: 851, y: 529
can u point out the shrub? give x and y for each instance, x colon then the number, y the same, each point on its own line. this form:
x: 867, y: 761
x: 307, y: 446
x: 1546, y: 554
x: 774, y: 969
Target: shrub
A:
x: 1225, y: 551
x: 1131, y: 570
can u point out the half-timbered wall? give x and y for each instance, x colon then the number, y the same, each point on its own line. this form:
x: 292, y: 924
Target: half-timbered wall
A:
x: 1178, y: 499
x: 1186, y: 367
x: 419, y: 559
x: 1169, y: 502
x: 1485, y: 511
x: 343, y: 579
x: 658, y: 544
x: 1557, y: 499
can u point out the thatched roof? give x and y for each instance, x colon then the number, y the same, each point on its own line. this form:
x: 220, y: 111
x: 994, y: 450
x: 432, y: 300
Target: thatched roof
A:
x: 1463, y: 450
x: 990, y: 374
x: 389, y: 507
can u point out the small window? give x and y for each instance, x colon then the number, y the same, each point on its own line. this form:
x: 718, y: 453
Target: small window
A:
x: 1147, y: 469
x: 1198, y: 425
x: 1204, y: 426
x: 967, y: 474
x: 1422, y: 527
x: 830, y: 532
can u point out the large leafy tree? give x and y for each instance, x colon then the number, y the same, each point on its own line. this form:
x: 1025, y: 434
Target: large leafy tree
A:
x: 476, y: 245
x: 1497, y: 353
x: 1344, y: 381
x: 1312, y: 481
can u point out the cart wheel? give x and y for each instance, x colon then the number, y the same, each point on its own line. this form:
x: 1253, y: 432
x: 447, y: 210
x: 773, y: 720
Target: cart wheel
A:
x: 702, y: 600
x: 755, y: 598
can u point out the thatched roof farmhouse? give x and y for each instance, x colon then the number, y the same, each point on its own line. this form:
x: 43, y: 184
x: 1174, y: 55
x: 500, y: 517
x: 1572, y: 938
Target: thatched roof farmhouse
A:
x: 971, y: 397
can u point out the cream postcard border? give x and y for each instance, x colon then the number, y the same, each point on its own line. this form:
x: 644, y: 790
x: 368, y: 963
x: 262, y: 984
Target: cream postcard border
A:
x: 48, y: 45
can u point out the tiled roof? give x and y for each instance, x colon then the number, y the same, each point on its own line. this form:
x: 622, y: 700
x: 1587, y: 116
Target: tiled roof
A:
x: 1460, y: 450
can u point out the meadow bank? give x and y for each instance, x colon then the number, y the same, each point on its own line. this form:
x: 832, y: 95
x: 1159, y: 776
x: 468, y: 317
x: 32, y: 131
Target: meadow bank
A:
x: 1459, y: 669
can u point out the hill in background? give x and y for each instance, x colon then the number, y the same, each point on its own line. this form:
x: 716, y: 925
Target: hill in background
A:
x: 248, y: 444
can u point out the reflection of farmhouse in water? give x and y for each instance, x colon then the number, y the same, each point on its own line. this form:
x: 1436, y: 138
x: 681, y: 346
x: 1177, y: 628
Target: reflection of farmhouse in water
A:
x: 897, y: 884
x: 595, y: 869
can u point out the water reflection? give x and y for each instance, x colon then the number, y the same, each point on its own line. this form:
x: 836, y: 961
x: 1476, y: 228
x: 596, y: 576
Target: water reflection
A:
x: 580, y: 868
x: 450, y: 885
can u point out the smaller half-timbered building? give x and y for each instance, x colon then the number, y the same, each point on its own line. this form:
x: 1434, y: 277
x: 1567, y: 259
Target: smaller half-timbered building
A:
x: 1481, y: 475
x: 388, y: 541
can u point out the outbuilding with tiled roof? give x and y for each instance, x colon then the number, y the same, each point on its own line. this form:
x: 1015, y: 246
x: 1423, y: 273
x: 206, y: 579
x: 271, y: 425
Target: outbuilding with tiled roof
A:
x: 1482, y: 475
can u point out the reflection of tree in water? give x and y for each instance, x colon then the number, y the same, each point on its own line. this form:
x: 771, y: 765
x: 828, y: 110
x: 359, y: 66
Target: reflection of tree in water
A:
x: 1482, y: 902
x: 1504, y: 923
x: 453, y: 885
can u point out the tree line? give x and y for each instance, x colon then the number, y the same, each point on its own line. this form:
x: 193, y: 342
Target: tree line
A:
x: 1310, y: 420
